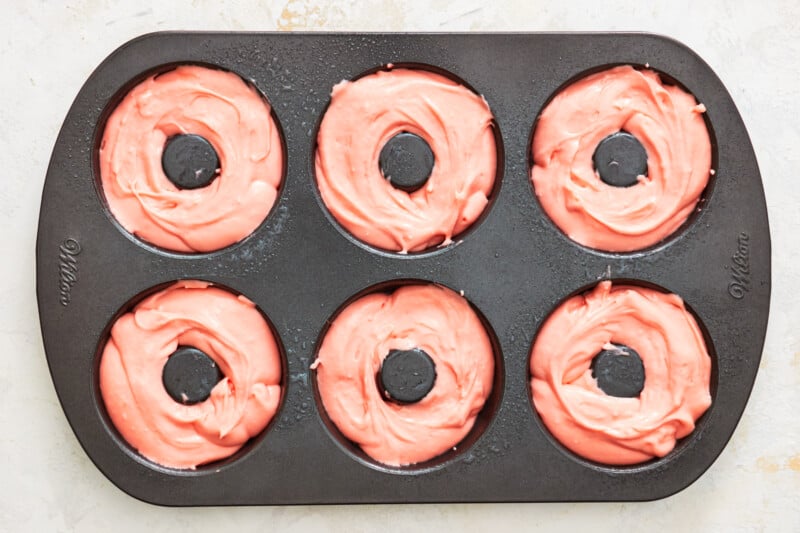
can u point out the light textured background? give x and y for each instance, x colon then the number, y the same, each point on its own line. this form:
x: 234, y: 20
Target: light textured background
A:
x: 47, y: 50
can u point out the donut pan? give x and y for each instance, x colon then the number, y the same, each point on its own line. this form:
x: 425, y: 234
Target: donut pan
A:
x: 300, y: 266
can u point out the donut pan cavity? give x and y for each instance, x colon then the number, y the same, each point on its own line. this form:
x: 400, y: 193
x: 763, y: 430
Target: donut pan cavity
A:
x: 299, y: 268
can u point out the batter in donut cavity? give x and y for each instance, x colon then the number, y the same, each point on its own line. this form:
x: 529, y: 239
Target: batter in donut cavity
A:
x: 668, y: 123
x: 230, y: 115
x: 430, y: 318
x: 228, y: 329
x: 363, y: 116
x: 610, y: 429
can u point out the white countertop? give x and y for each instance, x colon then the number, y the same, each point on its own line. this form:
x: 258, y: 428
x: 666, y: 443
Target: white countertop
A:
x: 48, y: 50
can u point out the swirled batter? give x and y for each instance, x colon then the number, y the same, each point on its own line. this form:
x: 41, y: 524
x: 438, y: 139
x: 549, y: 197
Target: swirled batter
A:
x: 227, y: 328
x: 363, y: 115
x: 218, y: 106
x: 609, y: 429
x: 668, y: 123
x: 429, y: 317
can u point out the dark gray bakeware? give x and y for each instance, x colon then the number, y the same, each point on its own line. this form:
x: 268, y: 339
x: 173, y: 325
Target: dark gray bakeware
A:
x: 300, y: 266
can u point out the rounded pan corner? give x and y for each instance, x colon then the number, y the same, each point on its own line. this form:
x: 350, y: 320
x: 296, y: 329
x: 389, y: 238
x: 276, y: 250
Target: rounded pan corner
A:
x: 141, y: 496
x: 137, y: 41
x: 685, y: 484
x: 681, y: 46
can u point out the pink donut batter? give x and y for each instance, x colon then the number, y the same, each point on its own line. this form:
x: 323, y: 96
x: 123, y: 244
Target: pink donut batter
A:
x: 220, y: 107
x: 363, y: 115
x: 667, y: 121
x: 429, y: 317
x: 227, y: 328
x: 608, y: 429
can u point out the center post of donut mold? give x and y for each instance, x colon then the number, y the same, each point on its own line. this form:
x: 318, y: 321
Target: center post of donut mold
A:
x: 189, y: 375
x: 190, y: 161
x: 406, y: 160
x: 620, y: 159
x: 406, y: 376
x: 619, y: 371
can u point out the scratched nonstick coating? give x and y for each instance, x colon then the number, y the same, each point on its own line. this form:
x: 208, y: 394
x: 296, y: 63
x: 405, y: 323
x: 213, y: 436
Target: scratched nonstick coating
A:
x: 299, y: 267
